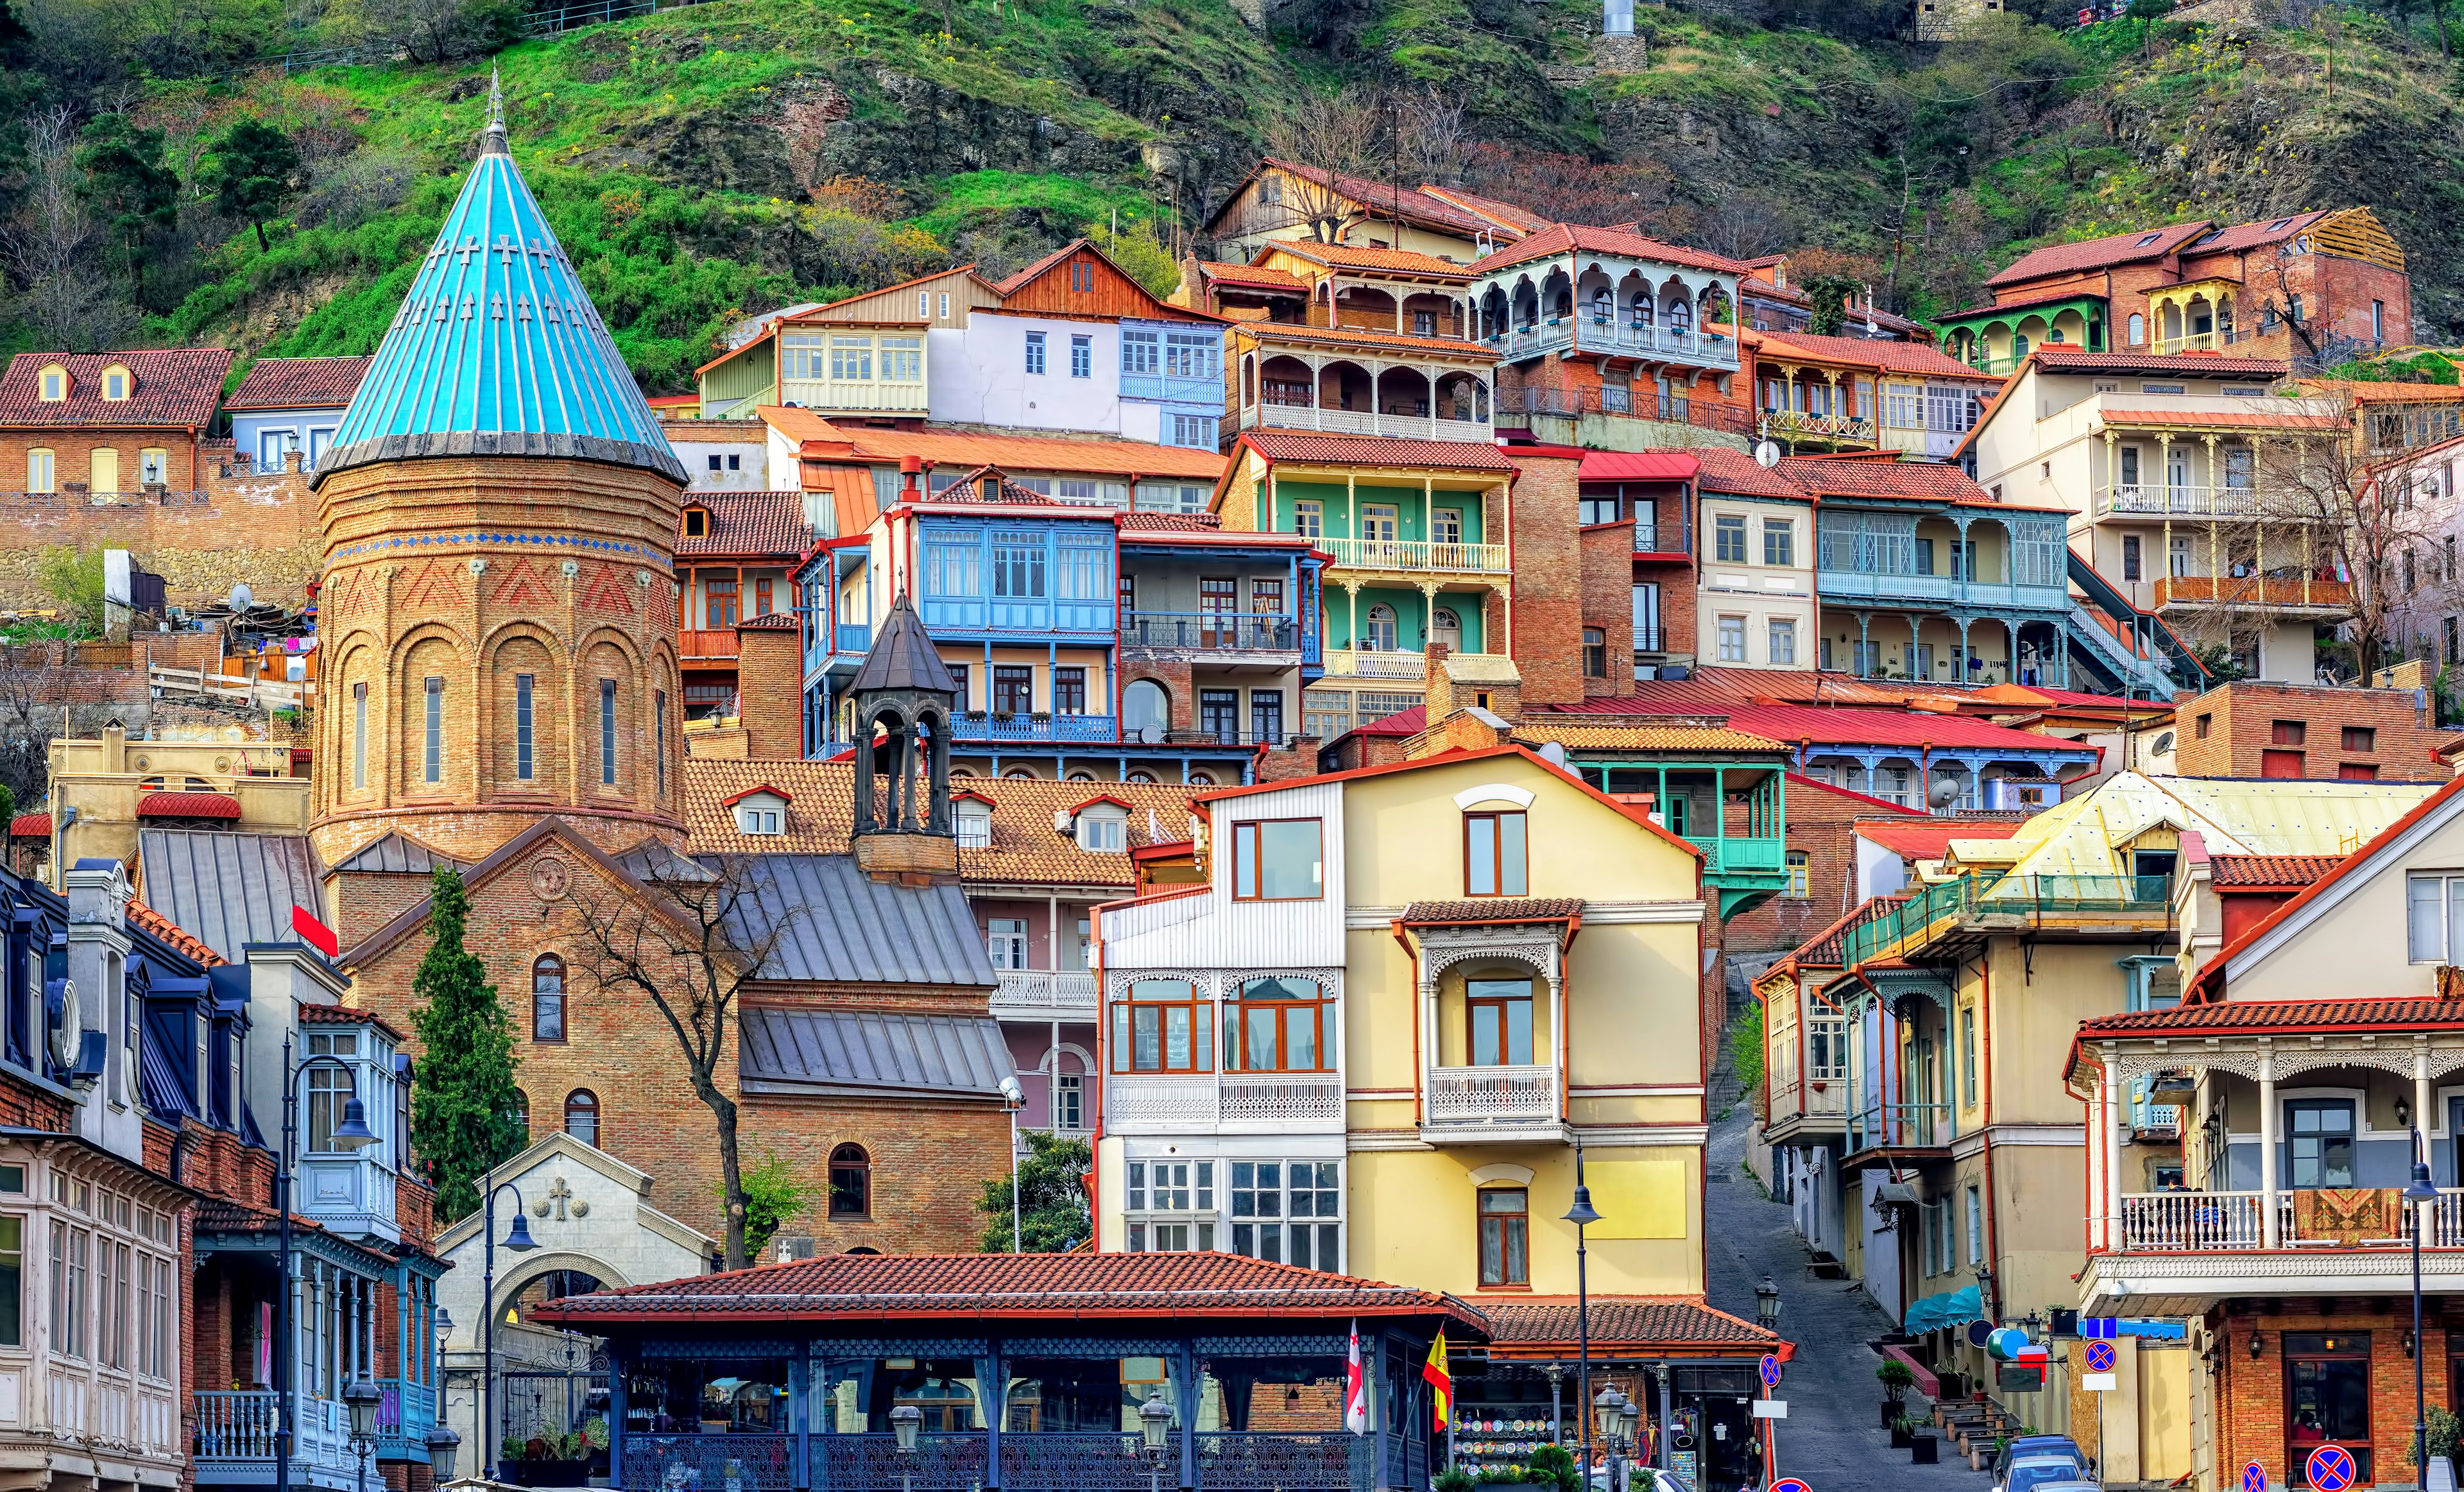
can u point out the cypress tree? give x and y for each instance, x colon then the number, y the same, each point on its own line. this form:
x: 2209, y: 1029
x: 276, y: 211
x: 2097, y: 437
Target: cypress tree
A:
x: 465, y: 1111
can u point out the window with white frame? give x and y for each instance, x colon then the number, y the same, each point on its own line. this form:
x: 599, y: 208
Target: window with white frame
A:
x: 761, y: 812
x: 1104, y: 829
x: 1783, y: 641
x: 1171, y: 1206
x: 2435, y: 917
x: 1975, y: 1226
x: 975, y: 825
x: 1287, y: 1212
x: 1732, y: 639
x: 1826, y: 1049
x: 330, y: 1087
x: 1069, y: 1101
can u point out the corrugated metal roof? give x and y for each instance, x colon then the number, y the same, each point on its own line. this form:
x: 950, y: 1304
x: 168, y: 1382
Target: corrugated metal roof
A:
x: 2236, y: 816
x: 837, y: 925
x: 873, y: 1049
x: 227, y: 890
x: 396, y: 855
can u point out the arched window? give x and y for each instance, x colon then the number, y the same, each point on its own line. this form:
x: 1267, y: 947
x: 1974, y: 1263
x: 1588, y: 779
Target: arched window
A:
x: 582, y: 1116
x: 1378, y: 635
x: 1681, y: 315
x: 547, y: 998
x: 2019, y: 347
x: 1146, y: 709
x: 850, y: 1182
x: 523, y: 1112
x: 1643, y: 313
x: 1445, y: 626
x: 2137, y: 330
x: 1603, y: 306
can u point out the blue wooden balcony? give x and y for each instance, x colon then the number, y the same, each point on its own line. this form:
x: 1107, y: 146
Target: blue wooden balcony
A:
x: 1210, y: 632
x: 994, y: 726
x: 1885, y: 588
x: 854, y: 637
x: 406, y: 1412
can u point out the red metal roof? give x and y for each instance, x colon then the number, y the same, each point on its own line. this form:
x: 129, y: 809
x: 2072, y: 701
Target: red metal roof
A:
x: 187, y: 805
x: 303, y: 383
x: 30, y: 825
x: 978, y: 1287
x: 1639, y: 466
x: 1828, y: 724
x: 177, y: 387
x: 1929, y: 839
x: 1454, y: 455
x: 2270, y: 872
x: 766, y: 524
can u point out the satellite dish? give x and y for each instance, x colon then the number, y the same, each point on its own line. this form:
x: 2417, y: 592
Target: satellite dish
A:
x: 1767, y: 454
x: 1944, y: 793
x: 241, y: 597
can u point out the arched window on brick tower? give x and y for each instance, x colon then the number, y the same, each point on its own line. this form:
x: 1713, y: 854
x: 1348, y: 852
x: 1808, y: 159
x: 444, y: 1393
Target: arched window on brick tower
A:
x: 582, y: 1116
x: 850, y: 1182
x: 547, y: 998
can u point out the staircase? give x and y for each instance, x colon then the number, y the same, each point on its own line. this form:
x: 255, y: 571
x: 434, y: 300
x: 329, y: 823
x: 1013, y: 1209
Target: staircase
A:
x: 2122, y: 648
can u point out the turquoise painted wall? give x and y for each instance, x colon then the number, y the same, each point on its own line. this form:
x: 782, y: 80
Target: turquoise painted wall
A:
x: 1411, y: 616
x: 1411, y: 512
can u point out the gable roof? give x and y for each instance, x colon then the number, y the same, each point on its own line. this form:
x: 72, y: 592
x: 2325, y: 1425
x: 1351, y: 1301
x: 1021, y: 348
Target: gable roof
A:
x: 177, y: 387
x: 397, y: 854
x: 1505, y: 214
x: 2270, y: 872
x: 1444, y: 455
x: 1622, y: 242
x: 825, y: 921
x: 1400, y: 261
x: 299, y: 384
x: 1929, y: 839
x: 1877, y: 352
x: 496, y: 862
x: 1381, y: 199
x: 769, y: 524
x: 1255, y: 276
x: 1923, y: 481
x: 1734, y: 471
x: 2096, y: 254
x: 1018, y: 285
x: 2233, y: 816
x: 227, y: 890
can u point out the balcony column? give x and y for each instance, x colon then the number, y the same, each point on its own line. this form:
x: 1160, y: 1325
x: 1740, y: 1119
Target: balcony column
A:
x: 1960, y: 663
x: 2274, y: 1233
x: 1959, y: 566
x: 1864, y: 655
x: 1916, y: 635
x: 1352, y: 639
x: 2110, y: 1147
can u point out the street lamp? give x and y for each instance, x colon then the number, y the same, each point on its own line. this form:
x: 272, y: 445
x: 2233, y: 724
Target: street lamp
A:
x: 2418, y: 1194
x: 904, y: 1421
x: 1613, y: 1411
x: 351, y: 1134
x: 1155, y: 1422
x: 1582, y: 1216
x: 1766, y: 1303
x: 519, y: 1241
x: 443, y: 1445
x: 360, y: 1396
x: 1014, y: 1098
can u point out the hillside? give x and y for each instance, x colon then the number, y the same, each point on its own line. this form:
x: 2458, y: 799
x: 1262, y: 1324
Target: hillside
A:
x: 707, y: 162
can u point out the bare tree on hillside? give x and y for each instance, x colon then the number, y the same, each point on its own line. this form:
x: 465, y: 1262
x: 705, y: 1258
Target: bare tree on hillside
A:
x: 50, y: 244
x: 688, y: 943
x: 1329, y: 137
x: 1435, y: 136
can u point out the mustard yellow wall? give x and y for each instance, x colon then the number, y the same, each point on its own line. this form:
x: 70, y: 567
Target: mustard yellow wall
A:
x: 1404, y: 838
x: 1412, y: 1220
x: 2036, y: 1005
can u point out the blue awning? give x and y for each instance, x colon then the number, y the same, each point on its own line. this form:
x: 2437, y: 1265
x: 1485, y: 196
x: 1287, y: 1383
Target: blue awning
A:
x: 1944, y: 1308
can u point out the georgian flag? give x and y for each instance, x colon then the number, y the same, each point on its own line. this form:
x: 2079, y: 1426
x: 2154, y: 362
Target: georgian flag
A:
x: 1356, y: 1388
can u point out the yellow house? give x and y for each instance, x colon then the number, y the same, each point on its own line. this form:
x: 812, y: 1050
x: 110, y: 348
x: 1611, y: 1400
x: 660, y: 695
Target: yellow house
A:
x: 1409, y: 1006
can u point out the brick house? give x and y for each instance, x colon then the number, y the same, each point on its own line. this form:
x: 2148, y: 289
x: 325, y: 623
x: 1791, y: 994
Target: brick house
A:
x: 111, y: 424
x: 2258, y: 730
x: 734, y: 552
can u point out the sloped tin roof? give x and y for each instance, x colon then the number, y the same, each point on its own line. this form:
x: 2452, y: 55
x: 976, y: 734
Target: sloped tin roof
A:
x: 872, y: 1050
x: 498, y: 350
x: 822, y: 920
x: 227, y: 890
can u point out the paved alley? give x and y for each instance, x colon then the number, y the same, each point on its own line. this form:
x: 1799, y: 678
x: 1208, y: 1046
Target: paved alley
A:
x: 1833, y: 1436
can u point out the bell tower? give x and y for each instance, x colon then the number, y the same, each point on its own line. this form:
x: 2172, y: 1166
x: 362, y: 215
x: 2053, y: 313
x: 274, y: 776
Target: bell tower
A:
x: 904, y: 695
x: 499, y: 600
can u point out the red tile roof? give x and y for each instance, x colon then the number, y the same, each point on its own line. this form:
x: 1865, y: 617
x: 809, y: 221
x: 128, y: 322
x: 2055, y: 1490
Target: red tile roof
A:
x: 2364, y: 391
x: 2272, y: 871
x: 177, y: 387
x: 1252, y: 275
x: 769, y: 621
x: 303, y: 383
x: 1894, y: 357
x: 1623, y: 1326
x: 30, y: 825
x: 1400, y: 261
x: 1496, y: 909
x: 2235, y: 419
x: 346, y: 1015
x: 1824, y: 949
x: 1622, y: 242
x: 1192, y: 522
x: 1444, y: 455
x: 1925, y: 481
x: 765, y: 524
x: 1073, y: 1286
x: 1929, y: 839
x: 1363, y: 337
x: 2264, y: 231
x: 141, y: 915
x: 2303, y: 1016
x: 2186, y: 364
x: 1010, y: 452
x: 1727, y: 471
x: 1521, y: 219
x: 2096, y: 254
x: 1383, y: 198
x: 187, y: 805
x: 2021, y: 304
x: 1827, y: 724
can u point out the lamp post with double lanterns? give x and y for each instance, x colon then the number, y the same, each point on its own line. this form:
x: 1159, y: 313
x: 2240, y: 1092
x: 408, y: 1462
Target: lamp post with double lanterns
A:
x: 361, y: 1397
x: 517, y: 1241
x: 1617, y: 1418
x: 443, y: 1442
x: 1155, y: 1425
x: 352, y: 1134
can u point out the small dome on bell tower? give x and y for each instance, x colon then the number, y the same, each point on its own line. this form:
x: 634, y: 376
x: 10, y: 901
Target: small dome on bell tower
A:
x: 904, y: 695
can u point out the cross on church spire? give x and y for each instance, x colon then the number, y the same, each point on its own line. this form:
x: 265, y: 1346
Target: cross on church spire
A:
x: 491, y: 138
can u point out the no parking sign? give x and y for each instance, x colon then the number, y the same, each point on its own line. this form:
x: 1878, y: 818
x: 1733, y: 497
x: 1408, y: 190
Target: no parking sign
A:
x: 2253, y: 1478
x: 2331, y: 1469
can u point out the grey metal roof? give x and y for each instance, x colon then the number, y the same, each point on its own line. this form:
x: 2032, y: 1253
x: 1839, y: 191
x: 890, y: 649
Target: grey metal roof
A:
x: 903, y: 656
x: 227, y: 890
x: 837, y: 925
x: 399, y: 856
x: 872, y: 1049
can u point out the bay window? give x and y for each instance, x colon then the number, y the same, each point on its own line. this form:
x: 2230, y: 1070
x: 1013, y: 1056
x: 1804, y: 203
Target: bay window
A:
x: 1279, y: 1026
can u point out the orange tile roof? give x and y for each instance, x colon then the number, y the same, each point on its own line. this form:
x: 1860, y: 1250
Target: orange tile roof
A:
x: 2066, y: 359
x: 1011, y: 452
x: 1520, y: 219
x: 764, y: 524
x: 170, y: 931
x: 1622, y: 242
x: 1025, y: 849
x: 1361, y: 336
x: 1252, y: 275
x: 1403, y: 261
x: 1446, y: 455
x: 1892, y: 357
x: 2096, y: 254
x: 1580, y: 733
x: 1381, y: 198
x: 2236, y: 419
x: 2369, y: 391
x: 1733, y: 472
x: 1924, y: 480
x: 2270, y: 872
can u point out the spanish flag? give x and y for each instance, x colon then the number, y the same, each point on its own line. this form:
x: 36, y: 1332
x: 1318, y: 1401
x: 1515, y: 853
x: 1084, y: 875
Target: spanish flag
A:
x: 1440, y: 1382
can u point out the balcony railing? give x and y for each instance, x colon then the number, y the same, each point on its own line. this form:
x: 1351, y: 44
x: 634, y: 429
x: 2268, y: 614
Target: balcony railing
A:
x: 1282, y: 1096
x: 1099, y: 1460
x: 1491, y: 1097
x: 2229, y: 501
x: 406, y: 1412
x: 2202, y: 341
x: 1639, y: 403
x: 1736, y: 855
x: 979, y: 725
x: 1363, y: 422
x: 852, y: 637
x: 1210, y: 631
x: 1797, y: 424
x: 1598, y: 335
x: 2251, y: 590
x: 871, y: 396
x: 707, y: 646
x: 1418, y: 555
x: 232, y: 1438
x: 2027, y: 897
x: 1374, y: 663
x: 2188, y: 1222
x: 1887, y: 586
x: 1173, y: 390
x: 1196, y: 1102
x: 1042, y: 991
x: 1663, y: 538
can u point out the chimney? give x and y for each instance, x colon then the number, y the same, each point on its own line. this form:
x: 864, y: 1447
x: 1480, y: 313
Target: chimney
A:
x: 910, y: 470
x: 1437, y: 696
x: 114, y: 747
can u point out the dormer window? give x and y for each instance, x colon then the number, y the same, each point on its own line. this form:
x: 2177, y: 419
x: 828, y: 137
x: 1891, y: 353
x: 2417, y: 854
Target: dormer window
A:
x: 1102, y: 827
x: 55, y: 381
x: 973, y: 817
x: 697, y: 523
x: 2279, y: 225
x: 116, y: 382
x: 760, y: 810
x: 331, y: 1085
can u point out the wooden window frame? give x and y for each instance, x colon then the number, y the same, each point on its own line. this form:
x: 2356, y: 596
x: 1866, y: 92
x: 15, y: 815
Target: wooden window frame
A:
x: 1236, y: 1030
x: 584, y: 1102
x: 857, y: 1161
x: 564, y: 1010
x: 1508, y: 1256
x: 1474, y: 1004
x: 1199, y: 1026
x: 1246, y: 843
x: 1496, y: 819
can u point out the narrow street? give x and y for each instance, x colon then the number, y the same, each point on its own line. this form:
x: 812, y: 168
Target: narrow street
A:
x: 1833, y: 1436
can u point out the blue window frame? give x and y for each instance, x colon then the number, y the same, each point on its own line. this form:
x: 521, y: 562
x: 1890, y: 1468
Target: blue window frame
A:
x: 1140, y: 351
x: 1082, y: 357
x: 1035, y: 352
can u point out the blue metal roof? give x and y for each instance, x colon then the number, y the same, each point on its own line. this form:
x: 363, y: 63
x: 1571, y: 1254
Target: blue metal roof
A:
x: 498, y: 350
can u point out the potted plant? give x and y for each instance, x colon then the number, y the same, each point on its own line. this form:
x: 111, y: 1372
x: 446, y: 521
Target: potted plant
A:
x: 1903, y: 1431
x: 1553, y: 1466
x: 1454, y: 1478
x: 1897, y: 1378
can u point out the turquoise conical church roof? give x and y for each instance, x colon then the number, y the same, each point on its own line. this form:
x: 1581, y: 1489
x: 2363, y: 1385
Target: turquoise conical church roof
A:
x: 497, y: 351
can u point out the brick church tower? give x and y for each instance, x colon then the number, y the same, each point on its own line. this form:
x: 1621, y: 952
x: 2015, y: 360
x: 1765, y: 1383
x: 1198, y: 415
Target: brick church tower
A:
x: 498, y: 614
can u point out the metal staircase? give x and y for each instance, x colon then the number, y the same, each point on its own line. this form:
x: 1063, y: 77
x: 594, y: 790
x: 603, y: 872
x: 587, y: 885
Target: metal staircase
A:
x: 2121, y: 647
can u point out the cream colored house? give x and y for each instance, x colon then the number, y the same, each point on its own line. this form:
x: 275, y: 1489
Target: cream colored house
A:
x: 1373, y: 1043
x: 106, y: 789
x: 2174, y: 469
x: 1754, y: 600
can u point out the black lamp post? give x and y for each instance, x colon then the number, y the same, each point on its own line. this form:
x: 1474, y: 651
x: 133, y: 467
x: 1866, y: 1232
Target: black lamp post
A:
x: 519, y: 1241
x: 351, y: 1134
x: 2419, y: 1192
x: 360, y: 1396
x: 1582, y: 1216
x: 1154, y: 1423
x: 905, y: 1421
x: 443, y: 1442
x: 1766, y: 1303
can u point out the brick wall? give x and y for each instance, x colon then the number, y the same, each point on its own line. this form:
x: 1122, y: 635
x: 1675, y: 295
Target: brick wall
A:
x: 770, y: 692
x: 2234, y: 730
x: 1547, y: 580
x: 1608, y: 603
x: 1821, y: 826
x: 2251, y: 1403
x: 259, y: 529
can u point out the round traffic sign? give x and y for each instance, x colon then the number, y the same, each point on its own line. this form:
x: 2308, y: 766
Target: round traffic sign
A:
x: 1770, y: 1371
x: 1789, y: 1484
x: 2253, y: 1478
x: 2100, y: 1357
x: 2331, y: 1469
